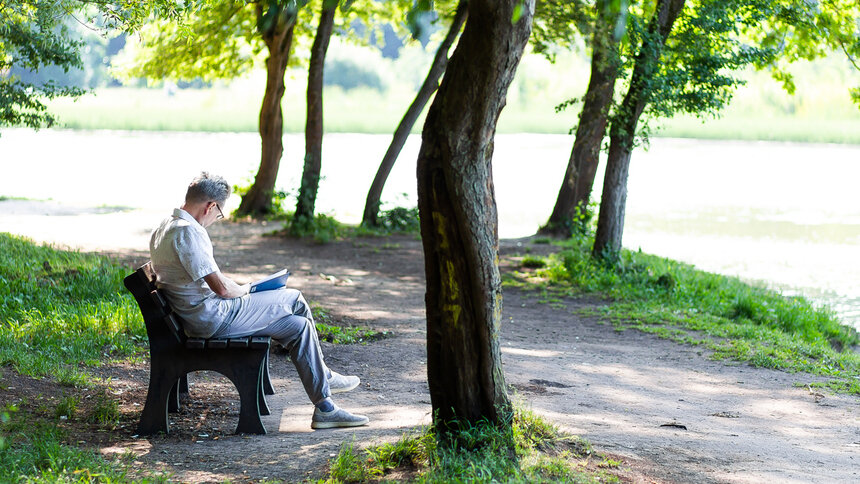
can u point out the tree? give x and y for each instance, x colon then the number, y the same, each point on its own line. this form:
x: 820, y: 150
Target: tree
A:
x: 687, y: 62
x: 790, y: 30
x: 459, y: 225
x: 35, y: 35
x: 224, y: 39
x: 277, y: 29
x: 370, y: 215
x: 575, y: 191
x: 314, y: 124
x: 610, y: 222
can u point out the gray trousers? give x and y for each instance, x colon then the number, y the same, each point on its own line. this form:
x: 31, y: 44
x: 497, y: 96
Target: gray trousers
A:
x: 284, y: 315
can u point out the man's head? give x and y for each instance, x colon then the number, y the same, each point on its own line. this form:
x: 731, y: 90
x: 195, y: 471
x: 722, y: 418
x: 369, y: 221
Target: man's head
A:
x: 208, y: 188
x: 206, y: 197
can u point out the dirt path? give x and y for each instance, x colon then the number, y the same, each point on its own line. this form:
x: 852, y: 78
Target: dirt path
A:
x: 672, y: 414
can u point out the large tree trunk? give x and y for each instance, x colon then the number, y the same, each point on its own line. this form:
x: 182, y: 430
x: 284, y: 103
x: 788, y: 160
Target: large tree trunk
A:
x: 459, y: 223
x: 314, y: 125
x: 431, y: 83
x: 575, y: 191
x: 610, y: 223
x: 258, y: 200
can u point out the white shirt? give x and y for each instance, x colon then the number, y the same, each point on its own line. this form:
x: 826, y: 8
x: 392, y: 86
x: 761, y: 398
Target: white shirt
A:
x: 182, y: 256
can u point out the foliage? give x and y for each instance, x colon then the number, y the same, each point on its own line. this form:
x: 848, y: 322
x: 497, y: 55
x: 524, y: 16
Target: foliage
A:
x: 676, y: 301
x: 278, y: 199
x: 531, y: 450
x: 714, y: 40
x: 35, y: 35
x: 33, y: 450
x: 399, y: 219
x: 61, y: 309
x: 221, y: 40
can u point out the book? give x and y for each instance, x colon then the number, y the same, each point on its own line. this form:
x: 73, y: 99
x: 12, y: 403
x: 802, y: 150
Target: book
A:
x: 275, y: 281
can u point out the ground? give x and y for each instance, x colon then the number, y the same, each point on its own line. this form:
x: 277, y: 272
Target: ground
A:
x: 666, y: 411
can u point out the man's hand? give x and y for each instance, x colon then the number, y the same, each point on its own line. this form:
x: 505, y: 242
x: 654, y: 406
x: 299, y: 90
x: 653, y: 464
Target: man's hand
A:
x: 224, y: 287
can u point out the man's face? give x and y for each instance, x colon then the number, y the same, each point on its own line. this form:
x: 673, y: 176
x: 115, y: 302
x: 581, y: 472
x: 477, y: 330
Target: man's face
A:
x: 214, y: 214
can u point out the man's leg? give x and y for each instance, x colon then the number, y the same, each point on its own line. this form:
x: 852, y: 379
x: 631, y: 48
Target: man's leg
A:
x: 299, y: 336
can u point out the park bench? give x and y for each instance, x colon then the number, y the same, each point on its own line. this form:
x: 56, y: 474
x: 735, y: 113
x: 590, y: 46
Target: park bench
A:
x: 173, y: 355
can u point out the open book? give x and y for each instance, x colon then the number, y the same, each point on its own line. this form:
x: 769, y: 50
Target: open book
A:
x: 275, y: 281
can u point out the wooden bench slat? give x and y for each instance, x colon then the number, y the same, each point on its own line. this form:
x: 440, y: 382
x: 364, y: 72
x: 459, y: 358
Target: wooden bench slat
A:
x: 195, y: 343
x: 238, y: 342
x: 217, y: 343
x: 260, y: 341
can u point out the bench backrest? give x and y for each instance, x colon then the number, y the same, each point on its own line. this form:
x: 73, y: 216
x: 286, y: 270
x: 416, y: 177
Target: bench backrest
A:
x: 162, y: 326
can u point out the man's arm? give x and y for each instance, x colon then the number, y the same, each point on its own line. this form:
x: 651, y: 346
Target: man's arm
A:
x: 225, y: 287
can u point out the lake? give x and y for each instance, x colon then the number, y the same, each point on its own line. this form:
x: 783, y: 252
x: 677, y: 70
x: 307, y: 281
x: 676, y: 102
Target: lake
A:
x: 785, y: 215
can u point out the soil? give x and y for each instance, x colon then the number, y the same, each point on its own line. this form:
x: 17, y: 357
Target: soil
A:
x: 668, y: 412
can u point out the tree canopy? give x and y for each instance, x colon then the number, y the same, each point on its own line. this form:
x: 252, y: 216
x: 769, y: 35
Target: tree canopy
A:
x: 37, y: 34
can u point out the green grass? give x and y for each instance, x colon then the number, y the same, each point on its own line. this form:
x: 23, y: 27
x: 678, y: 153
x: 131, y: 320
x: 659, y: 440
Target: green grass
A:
x: 530, y: 450
x: 33, y: 450
x: 62, y: 311
x: 674, y: 300
x: 337, y: 333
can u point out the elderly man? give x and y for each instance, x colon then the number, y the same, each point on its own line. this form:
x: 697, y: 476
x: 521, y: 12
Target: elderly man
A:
x: 213, y: 306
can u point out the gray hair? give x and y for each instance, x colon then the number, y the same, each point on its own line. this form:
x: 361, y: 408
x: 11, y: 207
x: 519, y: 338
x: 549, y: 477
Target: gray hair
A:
x: 208, y: 188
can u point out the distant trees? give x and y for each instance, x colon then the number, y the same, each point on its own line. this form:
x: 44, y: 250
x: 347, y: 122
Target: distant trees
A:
x: 459, y: 226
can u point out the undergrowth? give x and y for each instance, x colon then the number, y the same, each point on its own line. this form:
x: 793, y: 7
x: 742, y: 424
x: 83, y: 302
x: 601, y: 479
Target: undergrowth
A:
x: 324, y: 228
x: 676, y: 301
x: 530, y: 450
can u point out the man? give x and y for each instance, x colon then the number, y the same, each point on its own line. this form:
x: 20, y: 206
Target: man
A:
x: 213, y: 306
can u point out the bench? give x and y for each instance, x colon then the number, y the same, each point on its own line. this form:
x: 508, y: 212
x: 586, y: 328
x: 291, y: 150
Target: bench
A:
x: 173, y: 355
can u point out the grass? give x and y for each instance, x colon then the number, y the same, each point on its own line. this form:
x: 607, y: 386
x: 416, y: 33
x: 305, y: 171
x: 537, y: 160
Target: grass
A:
x: 34, y: 450
x: 531, y: 450
x: 674, y: 300
x: 61, y: 311
x: 337, y: 333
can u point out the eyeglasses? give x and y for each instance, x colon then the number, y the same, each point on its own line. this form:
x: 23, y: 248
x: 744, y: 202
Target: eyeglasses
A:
x: 220, y: 213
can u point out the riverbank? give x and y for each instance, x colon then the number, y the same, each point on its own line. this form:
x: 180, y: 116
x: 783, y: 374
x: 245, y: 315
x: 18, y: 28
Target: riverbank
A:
x: 666, y: 411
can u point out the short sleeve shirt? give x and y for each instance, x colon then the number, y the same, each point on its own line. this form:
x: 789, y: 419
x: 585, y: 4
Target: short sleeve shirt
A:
x: 182, y: 255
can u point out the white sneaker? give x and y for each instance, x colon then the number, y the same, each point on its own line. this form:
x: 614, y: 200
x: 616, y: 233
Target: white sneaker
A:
x: 340, y: 383
x: 336, y: 418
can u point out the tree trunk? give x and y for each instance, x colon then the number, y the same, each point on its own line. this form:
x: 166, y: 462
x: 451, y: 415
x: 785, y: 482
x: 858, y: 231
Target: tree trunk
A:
x: 314, y: 125
x: 459, y: 223
x: 610, y: 223
x: 575, y: 191
x: 431, y: 83
x: 258, y: 200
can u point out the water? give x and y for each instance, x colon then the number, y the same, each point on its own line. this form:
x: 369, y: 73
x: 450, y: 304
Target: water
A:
x: 781, y: 214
